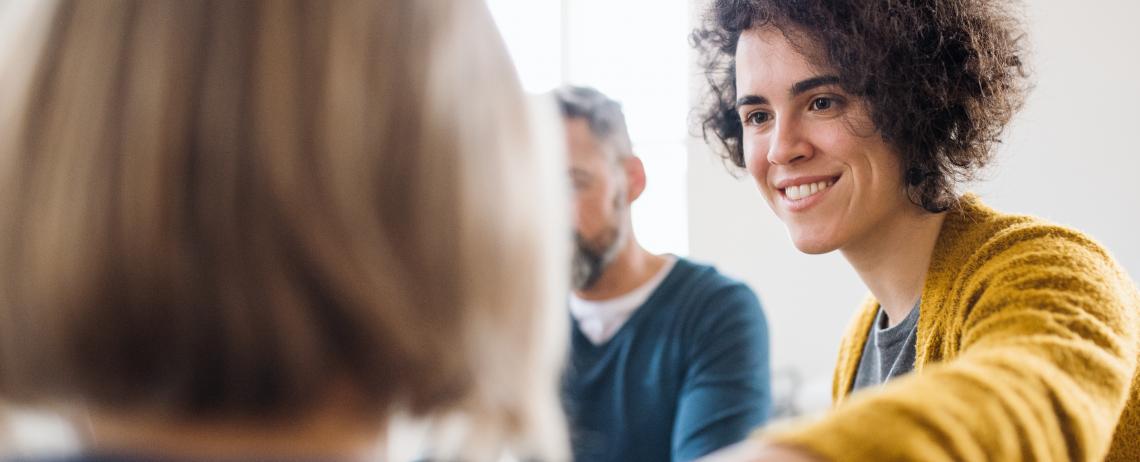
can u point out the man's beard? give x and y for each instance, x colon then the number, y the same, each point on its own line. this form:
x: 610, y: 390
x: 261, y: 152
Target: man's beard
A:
x: 591, y: 257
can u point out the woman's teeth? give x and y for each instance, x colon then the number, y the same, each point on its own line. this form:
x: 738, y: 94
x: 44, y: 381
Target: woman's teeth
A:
x: 805, y: 190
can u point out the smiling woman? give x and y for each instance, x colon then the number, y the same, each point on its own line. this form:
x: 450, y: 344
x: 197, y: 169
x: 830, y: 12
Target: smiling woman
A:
x: 987, y: 336
x: 908, y: 63
x: 802, y: 130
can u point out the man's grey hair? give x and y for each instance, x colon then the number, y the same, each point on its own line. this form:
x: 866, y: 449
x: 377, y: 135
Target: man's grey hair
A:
x: 603, y: 115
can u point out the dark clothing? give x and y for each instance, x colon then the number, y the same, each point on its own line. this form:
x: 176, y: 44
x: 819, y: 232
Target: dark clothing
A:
x: 889, y: 351
x: 687, y: 374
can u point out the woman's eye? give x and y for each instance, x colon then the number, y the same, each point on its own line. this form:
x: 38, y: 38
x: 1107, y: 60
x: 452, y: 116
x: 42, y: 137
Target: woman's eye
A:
x: 822, y: 104
x: 756, y: 118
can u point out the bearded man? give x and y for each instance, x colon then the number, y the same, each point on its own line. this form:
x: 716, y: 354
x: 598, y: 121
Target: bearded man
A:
x: 669, y: 358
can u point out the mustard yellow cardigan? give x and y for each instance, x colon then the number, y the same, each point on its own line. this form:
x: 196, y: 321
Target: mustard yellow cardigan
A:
x: 1028, y: 344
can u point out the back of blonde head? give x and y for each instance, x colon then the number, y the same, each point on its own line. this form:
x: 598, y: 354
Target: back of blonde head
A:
x: 222, y: 208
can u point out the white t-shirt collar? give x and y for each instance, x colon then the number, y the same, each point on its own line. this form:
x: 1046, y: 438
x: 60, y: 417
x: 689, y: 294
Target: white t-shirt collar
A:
x: 599, y: 320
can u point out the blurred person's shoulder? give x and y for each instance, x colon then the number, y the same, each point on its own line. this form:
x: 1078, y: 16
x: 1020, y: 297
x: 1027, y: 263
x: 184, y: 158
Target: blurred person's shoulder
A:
x: 705, y: 280
x: 707, y: 298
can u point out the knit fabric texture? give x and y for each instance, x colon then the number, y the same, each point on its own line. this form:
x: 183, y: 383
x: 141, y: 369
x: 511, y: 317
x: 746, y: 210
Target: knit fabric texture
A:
x: 1028, y: 344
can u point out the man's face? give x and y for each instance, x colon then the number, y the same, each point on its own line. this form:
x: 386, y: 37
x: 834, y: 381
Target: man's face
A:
x: 601, y: 203
x: 812, y: 149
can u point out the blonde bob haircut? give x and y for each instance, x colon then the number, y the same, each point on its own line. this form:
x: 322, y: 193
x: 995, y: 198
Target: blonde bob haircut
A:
x: 223, y: 208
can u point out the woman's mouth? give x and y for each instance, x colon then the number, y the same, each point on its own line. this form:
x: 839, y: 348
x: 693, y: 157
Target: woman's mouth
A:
x: 804, y: 191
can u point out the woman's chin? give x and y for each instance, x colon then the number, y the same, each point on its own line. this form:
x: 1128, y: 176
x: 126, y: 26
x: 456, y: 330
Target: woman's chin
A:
x: 812, y: 245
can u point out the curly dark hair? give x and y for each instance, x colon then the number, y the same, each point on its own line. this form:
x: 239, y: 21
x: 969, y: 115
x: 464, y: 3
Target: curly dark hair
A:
x: 942, y: 78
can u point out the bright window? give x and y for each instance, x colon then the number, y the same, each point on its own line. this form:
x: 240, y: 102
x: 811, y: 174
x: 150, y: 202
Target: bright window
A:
x: 635, y: 51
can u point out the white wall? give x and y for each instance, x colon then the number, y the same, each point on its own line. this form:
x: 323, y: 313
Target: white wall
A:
x: 590, y: 42
x: 1071, y: 156
x: 644, y: 69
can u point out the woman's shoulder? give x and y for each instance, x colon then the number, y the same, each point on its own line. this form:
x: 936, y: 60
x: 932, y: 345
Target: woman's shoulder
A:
x: 982, y: 238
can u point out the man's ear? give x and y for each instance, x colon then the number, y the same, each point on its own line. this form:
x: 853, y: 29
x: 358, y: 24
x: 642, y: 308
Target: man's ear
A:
x: 635, y: 177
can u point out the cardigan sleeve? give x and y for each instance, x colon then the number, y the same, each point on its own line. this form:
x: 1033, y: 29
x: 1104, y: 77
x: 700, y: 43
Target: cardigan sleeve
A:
x: 1047, y: 354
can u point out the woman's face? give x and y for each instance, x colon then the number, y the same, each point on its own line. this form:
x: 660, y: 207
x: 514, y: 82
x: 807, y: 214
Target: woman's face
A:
x: 815, y: 155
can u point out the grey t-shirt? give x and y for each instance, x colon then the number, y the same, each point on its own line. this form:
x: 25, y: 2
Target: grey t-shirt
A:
x: 889, y: 351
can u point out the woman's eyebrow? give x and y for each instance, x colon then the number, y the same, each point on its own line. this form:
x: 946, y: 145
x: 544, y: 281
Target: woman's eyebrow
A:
x: 750, y: 99
x: 814, y: 82
x: 797, y: 89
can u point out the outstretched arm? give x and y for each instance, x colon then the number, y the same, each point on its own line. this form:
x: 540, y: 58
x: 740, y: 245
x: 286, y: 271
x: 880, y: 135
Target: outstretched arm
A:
x: 1047, y: 359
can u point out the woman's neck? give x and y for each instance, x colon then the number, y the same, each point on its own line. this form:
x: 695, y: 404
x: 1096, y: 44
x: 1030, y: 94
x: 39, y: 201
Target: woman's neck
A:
x: 894, y: 258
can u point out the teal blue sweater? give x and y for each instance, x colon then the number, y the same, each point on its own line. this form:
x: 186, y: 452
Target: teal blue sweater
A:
x: 687, y: 374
